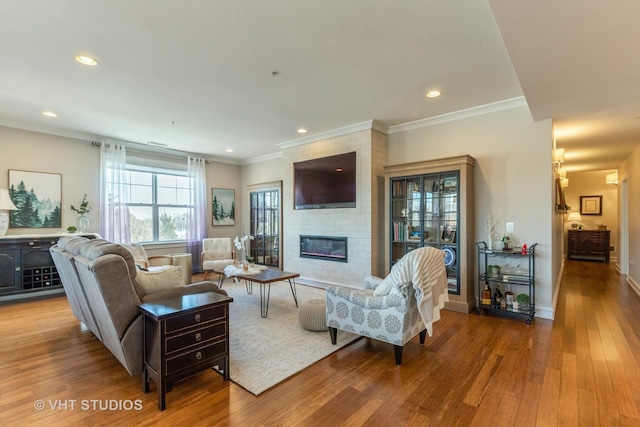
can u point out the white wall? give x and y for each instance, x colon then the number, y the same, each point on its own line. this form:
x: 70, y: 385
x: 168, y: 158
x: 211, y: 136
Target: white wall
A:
x: 630, y: 171
x: 513, y: 178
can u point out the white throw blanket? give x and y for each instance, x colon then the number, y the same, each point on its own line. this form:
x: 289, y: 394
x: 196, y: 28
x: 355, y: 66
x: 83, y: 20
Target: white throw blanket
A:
x: 424, y: 269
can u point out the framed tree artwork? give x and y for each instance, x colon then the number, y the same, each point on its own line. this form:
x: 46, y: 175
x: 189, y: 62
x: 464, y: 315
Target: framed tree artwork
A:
x: 223, y: 206
x: 38, y: 197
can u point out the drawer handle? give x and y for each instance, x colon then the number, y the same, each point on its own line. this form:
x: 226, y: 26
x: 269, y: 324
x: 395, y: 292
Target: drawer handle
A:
x: 197, y: 317
x: 198, y: 355
x: 198, y: 336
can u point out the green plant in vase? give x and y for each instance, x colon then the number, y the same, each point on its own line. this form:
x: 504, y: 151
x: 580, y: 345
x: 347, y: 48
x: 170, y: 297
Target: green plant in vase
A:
x: 82, y: 210
x: 523, y: 300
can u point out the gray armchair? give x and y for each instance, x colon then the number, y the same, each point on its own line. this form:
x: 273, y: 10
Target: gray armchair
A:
x: 394, y: 310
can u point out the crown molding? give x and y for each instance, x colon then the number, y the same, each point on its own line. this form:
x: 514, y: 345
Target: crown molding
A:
x: 346, y: 130
x: 506, y: 104
x: 264, y: 158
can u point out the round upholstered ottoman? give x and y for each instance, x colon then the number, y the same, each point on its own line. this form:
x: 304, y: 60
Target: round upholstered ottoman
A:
x: 312, y: 315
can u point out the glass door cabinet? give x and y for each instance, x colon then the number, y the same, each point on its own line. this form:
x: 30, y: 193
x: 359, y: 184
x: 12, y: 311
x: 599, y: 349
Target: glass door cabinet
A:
x: 430, y: 203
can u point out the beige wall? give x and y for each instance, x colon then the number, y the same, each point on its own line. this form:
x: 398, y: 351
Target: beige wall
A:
x: 513, y: 178
x: 79, y: 162
x: 593, y: 184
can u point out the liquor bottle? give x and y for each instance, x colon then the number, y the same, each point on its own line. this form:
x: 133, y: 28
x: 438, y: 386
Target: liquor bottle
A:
x: 508, y: 296
x: 486, y: 295
x: 497, y: 295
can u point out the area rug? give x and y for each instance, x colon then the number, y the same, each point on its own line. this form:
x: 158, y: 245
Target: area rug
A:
x: 266, y: 351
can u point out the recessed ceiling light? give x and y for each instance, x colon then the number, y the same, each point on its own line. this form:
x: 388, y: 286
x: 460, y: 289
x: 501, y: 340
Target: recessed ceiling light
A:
x: 433, y: 93
x: 301, y: 130
x: 229, y: 150
x: 86, y: 60
x: 49, y: 114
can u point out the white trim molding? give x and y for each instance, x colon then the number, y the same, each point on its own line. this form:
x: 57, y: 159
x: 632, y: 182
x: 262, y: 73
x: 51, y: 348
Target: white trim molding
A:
x: 506, y: 104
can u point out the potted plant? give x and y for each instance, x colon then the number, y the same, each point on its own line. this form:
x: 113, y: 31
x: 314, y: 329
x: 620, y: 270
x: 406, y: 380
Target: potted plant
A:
x: 506, y: 240
x: 83, y: 220
x: 523, y: 301
x: 71, y: 229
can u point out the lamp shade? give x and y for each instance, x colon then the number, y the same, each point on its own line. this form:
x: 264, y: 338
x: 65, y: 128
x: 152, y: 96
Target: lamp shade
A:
x: 558, y: 155
x: 562, y: 172
x: 6, y: 203
x: 574, y: 216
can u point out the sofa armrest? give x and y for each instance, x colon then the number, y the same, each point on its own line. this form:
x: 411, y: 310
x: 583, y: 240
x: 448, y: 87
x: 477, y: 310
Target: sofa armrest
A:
x: 156, y: 260
x: 364, y: 298
x: 194, y: 288
x: 372, y: 282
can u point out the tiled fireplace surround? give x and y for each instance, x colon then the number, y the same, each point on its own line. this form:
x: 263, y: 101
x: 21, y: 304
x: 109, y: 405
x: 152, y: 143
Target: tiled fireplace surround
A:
x: 362, y: 225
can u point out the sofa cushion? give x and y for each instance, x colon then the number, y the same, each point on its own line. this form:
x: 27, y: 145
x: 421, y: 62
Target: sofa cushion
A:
x: 159, y: 279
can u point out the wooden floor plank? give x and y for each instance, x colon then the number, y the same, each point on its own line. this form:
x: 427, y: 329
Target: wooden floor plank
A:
x: 480, y: 370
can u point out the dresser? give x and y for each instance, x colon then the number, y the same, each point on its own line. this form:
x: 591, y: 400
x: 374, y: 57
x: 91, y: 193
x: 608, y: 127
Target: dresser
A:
x: 183, y: 336
x: 589, y: 245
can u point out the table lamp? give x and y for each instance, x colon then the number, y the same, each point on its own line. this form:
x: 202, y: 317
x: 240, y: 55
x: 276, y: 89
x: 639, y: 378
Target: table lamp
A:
x: 5, y: 205
x: 574, y: 218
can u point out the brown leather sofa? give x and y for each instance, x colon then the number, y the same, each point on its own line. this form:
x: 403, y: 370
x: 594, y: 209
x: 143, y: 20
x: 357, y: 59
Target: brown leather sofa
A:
x: 100, y: 279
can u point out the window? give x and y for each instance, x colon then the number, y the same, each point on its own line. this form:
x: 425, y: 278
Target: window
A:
x: 158, y: 206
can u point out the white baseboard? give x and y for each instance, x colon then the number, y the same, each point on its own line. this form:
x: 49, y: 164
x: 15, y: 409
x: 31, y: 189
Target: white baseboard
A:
x: 634, y: 284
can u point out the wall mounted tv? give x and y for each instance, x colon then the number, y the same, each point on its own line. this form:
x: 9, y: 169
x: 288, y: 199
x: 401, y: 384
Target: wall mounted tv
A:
x: 325, y: 183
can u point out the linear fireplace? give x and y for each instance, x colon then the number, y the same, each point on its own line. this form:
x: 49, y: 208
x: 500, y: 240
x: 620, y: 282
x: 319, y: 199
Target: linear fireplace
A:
x: 323, y: 247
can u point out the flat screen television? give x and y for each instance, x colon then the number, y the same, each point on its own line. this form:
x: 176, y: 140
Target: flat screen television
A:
x: 325, y: 183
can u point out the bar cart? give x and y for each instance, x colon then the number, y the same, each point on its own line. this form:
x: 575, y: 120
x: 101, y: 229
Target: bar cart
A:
x: 515, y: 270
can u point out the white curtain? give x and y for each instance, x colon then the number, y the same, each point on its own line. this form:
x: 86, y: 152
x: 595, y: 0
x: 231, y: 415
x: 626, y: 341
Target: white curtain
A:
x: 197, y: 220
x: 114, y: 196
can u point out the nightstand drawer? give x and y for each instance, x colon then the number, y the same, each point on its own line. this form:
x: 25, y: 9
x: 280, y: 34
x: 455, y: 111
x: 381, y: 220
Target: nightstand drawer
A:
x: 194, y: 357
x: 195, y: 337
x: 193, y: 319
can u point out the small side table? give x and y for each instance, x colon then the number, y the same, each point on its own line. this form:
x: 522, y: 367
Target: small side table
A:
x: 184, y: 261
x: 182, y: 336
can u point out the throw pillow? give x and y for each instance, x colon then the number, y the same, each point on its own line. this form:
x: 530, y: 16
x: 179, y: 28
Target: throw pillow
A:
x: 160, y: 280
x: 384, y: 287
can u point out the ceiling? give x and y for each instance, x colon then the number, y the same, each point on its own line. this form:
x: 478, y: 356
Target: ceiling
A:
x: 204, y: 77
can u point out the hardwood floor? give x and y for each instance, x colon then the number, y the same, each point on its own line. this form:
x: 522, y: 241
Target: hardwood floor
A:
x: 581, y: 369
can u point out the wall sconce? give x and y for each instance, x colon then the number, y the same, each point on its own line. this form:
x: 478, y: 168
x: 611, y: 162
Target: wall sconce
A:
x: 574, y: 218
x: 558, y: 155
x: 558, y: 158
x: 6, y: 204
x: 612, y: 178
x: 562, y: 172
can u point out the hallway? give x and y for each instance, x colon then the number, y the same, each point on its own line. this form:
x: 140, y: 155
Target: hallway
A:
x: 595, y: 350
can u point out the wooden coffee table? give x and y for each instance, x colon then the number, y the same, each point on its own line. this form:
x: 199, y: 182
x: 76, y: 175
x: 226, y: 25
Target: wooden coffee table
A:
x: 265, y: 278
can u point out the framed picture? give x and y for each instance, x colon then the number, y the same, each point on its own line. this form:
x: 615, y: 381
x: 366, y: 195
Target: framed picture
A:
x: 223, y: 206
x: 448, y: 236
x: 38, y: 197
x: 590, y: 205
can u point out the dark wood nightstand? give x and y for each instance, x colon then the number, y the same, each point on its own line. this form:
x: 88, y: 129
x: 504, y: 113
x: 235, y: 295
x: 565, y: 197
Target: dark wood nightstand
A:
x: 183, y: 336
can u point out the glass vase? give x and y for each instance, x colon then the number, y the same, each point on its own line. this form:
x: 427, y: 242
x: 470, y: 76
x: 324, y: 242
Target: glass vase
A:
x: 82, y: 223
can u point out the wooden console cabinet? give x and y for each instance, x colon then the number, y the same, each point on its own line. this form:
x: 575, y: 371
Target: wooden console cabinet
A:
x: 589, y: 245
x: 183, y: 336
x: 26, y: 267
